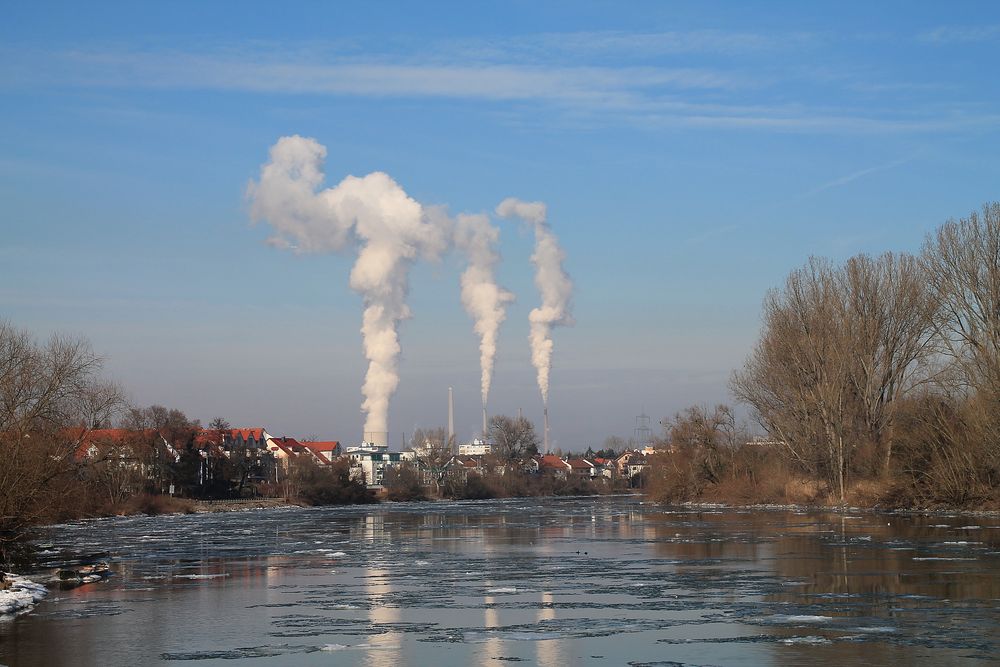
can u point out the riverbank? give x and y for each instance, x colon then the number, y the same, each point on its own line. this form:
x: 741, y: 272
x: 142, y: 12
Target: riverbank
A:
x: 839, y: 509
x: 208, y: 506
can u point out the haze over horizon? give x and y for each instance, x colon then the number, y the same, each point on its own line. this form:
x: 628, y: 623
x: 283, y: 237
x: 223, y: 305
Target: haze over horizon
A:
x: 689, y: 154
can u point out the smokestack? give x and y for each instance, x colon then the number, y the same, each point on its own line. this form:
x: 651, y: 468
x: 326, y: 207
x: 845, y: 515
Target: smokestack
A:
x: 451, y: 417
x: 377, y: 438
x: 486, y: 428
x: 545, y: 427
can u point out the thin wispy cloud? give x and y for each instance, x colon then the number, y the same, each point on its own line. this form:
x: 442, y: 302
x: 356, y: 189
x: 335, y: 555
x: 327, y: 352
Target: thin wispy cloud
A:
x: 726, y: 94
x: 854, y: 176
x: 622, y: 44
x: 962, y: 34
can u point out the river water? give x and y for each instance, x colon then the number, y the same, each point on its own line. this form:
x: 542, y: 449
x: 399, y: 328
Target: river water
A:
x: 577, y: 581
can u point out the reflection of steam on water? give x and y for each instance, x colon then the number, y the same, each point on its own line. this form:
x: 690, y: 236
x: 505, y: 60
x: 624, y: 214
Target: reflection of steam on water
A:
x: 491, y: 621
x: 550, y: 651
x: 379, y: 590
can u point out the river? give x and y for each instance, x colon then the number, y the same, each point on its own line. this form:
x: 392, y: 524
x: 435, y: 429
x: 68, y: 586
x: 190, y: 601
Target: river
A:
x: 574, y: 581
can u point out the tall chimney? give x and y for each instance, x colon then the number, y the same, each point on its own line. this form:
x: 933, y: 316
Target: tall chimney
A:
x: 545, y: 435
x: 486, y: 429
x: 451, y: 417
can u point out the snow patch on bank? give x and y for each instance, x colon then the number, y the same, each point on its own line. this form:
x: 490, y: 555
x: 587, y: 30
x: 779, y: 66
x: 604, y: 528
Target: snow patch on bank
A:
x: 20, y: 597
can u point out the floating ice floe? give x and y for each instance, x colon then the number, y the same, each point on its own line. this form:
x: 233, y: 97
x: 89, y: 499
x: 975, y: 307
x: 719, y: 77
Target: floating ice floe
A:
x: 21, y: 596
x: 811, y: 639
x: 782, y: 619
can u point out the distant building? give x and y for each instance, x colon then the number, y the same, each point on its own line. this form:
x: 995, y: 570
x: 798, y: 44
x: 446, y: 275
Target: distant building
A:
x: 369, y: 462
x: 475, y: 448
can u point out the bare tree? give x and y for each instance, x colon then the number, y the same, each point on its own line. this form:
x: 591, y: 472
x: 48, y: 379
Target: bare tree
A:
x: 798, y: 377
x: 44, y: 386
x: 887, y: 318
x: 434, y: 449
x: 839, y: 346
x: 44, y: 390
x: 962, y: 265
x: 513, y: 438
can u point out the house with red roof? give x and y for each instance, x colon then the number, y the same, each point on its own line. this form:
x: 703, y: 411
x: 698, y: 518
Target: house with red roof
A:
x: 140, y: 459
x: 582, y: 468
x: 324, y: 450
x: 550, y: 464
x: 120, y: 443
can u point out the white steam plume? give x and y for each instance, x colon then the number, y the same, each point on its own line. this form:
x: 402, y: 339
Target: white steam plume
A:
x: 552, y: 282
x: 373, y: 212
x: 484, y: 300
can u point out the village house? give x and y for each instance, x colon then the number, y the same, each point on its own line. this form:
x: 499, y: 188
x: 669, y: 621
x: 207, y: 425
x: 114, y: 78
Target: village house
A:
x: 550, y: 464
x: 604, y: 467
x: 140, y: 459
x: 457, y: 468
x: 582, y: 468
x: 325, y: 451
x: 248, y: 438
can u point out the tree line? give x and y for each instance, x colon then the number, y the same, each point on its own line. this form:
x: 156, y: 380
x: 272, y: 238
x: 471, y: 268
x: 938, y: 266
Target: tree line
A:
x: 879, y: 374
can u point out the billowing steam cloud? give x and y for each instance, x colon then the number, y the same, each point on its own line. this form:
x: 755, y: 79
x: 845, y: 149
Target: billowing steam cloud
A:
x: 484, y: 300
x: 552, y: 282
x: 373, y: 212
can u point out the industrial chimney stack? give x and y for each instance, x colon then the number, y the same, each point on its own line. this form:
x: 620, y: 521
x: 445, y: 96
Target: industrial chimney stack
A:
x: 451, y: 418
x: 545, y: 427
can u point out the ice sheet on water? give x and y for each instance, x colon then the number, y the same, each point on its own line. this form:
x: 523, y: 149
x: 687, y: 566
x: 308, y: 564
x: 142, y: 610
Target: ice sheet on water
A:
x: 795, y: 619
x: 22, y: 595
x: 241, y: 653
x: 90, y: 609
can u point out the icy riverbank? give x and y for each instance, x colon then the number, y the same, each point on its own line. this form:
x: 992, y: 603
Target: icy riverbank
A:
x: 20, y: 596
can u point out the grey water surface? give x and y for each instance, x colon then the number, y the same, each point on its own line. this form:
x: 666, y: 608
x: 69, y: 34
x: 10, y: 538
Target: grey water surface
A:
x: 574, y: 581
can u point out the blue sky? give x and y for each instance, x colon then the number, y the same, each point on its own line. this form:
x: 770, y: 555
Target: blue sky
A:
x: 690, y: 154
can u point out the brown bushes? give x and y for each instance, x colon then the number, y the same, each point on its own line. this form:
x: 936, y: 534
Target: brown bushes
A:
x: 329, y: 485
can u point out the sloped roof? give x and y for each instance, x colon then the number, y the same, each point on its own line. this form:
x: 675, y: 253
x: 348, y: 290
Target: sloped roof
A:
x: 101, y: 438
x: 323, y: 445
x: 552, y: 461
x: 247, y: 433
x: 580, y: 464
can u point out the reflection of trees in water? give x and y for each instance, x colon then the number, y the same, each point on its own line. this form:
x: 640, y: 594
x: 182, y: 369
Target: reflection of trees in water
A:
x: 845, y: 567
x: 832, y: 554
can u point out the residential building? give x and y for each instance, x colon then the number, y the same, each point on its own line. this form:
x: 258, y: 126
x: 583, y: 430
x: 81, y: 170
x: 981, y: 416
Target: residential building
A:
x: 477, y: 447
